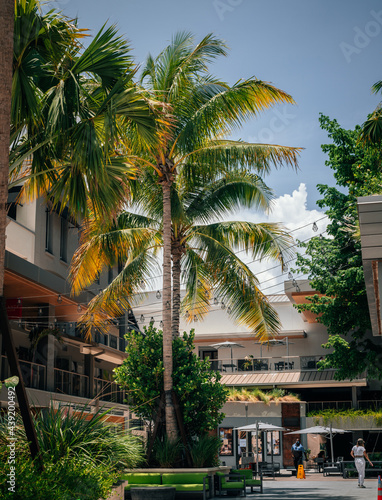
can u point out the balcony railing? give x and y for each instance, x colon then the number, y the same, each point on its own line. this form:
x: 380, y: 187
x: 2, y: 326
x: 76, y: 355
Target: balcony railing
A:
x: 328, y: 405
x: 71, y: 383
x: 34, y: 374
x: 108, y: 391
x: 273, y: 364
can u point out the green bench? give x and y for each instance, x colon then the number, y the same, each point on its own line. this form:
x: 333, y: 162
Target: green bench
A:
x: 249, y: 481
x: 192, y: 482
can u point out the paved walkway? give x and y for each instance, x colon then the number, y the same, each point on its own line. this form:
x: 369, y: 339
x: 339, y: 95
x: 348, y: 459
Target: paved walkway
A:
x: 312, y: 488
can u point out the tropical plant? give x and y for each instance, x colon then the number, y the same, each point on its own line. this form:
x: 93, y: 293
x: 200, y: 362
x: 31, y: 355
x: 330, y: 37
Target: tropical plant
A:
x: 167, y: 452
x: 68, y: 479
x: 204, y: 451
x: 63, y: 434
x: 255, y: 394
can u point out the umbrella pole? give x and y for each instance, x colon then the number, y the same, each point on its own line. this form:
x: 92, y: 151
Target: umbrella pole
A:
x: 257, y: 448
x: 331, y: 442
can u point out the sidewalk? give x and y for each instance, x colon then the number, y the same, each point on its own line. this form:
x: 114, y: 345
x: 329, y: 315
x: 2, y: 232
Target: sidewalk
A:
x: 313, y: 488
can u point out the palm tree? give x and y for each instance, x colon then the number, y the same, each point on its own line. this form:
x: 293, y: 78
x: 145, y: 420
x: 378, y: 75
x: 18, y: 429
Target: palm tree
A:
x: 72, y: 110
x: 371, y: 131
x: 205, y: 110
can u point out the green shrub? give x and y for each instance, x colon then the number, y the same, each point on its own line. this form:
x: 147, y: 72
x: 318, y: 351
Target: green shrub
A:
x: 68, y: 479
x: 61, y: 434
x: 205, y: 451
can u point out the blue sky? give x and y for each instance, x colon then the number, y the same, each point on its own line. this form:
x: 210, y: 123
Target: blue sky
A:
x: 326, y: 54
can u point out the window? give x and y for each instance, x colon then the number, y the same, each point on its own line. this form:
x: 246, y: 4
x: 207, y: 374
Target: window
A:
x: 226, y: 435
x: 273, y: 440
x: 48, y: 232
x: 12, y: 211
x: 64, y: 240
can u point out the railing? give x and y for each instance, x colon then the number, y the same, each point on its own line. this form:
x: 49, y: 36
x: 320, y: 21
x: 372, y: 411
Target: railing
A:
x: 327, y: 405
x: 272, y: 364
x: 371, y: 404
x: 34, y: 374
x: 108, y: 391
x: 71, y: 383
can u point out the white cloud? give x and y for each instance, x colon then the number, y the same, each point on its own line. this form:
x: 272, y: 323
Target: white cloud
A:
x: 292, y: 212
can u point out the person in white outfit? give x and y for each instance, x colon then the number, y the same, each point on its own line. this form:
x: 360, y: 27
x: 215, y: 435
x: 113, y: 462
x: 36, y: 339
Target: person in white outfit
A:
x: 359, y: 454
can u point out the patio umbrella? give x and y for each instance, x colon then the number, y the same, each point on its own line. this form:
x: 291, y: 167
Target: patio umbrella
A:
x: 318, y: 429
x: 227, y: 344
x: 260, y: 426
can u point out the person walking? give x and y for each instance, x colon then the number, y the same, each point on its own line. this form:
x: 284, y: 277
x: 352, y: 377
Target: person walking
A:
x: 359, y: 454
x: 297, y: 452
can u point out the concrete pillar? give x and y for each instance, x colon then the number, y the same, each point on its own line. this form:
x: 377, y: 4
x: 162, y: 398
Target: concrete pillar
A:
x: 354, y: 398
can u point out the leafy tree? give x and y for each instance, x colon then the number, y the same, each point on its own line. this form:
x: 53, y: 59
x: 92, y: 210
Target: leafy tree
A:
x: 200, y: 394
x: 334, y: 263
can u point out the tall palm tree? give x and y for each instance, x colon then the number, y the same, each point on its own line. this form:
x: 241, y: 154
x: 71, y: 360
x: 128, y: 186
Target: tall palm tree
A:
x: 205, y: 111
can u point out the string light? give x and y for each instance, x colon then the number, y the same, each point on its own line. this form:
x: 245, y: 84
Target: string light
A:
x: 79, y: 308
x: 158, y: 295
x: 142, y: 318
x: 315, y: 227
x: 290, y: 276
x: 152, y: 320
x: 195, y: 319
x: 59, y: 299
x: 216, y: 301
x: 161, y: 324
x: 222, y: 305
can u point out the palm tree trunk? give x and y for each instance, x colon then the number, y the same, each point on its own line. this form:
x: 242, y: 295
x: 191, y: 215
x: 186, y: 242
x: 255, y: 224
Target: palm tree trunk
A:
x: 7, y: 17
x: 175, y: 293
x: 171, y: 427
x: 6, y: 59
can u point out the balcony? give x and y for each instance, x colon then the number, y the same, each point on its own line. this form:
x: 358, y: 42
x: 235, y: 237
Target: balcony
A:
x: 275, y: 364
x: 70, y: 383
x: 106, y: 390
x: 34, y: 374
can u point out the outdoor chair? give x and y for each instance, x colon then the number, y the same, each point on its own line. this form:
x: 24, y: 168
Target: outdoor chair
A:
x: 230, y: 483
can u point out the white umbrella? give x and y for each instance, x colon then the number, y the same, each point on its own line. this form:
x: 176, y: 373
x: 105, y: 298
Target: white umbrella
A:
x: 228, y: 344
x: 319, y: 429
x: 260, y: 426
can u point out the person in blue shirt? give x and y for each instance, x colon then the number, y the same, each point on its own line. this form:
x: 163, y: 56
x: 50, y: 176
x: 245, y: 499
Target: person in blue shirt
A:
x: 298, y: 452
